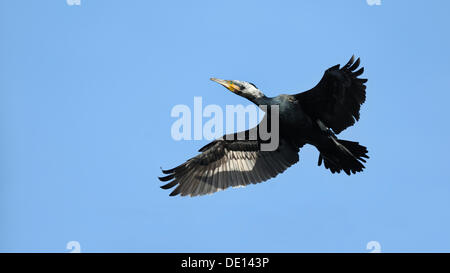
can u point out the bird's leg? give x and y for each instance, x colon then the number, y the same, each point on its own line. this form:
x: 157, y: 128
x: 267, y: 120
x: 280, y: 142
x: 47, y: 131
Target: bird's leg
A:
x: 324, y: 128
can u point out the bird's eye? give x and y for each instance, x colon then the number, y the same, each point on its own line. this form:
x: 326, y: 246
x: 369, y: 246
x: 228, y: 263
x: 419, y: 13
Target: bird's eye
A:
x: 253, y: 85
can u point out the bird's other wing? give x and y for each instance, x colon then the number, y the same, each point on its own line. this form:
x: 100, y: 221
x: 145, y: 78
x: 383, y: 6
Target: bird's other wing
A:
x: 225, y: 163
x: 337, y: 98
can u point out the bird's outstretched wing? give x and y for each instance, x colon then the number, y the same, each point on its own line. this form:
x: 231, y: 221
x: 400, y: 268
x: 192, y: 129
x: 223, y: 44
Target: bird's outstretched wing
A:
x: 337, y: 98
x: 225, y: 163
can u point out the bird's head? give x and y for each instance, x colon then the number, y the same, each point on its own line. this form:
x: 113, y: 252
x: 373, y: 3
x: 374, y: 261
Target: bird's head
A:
x: 241, y: 88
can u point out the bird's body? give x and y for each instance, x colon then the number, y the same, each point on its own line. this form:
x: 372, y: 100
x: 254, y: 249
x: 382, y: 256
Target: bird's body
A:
x: 311, y: 117
x: 293, y: 120
x: 291, y: 112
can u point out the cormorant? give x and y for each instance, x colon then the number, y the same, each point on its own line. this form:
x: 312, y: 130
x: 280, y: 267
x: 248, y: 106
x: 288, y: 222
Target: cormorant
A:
x: 312, y: 117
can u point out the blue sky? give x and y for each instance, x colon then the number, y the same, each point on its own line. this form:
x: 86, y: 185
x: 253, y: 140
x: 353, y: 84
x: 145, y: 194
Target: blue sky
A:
x: 85, y: 99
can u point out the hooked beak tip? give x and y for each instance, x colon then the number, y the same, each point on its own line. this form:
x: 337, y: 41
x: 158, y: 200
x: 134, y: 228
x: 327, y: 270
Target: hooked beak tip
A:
x: 219, y: 81
x: 216, y: 80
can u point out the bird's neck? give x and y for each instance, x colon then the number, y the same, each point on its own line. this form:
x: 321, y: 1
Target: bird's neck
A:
x: 261, y: 101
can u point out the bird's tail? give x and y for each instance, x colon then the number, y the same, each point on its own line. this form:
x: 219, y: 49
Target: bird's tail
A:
x: 343, y: 156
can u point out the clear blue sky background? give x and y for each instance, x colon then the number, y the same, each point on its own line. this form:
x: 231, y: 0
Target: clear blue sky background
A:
x: 85, y: 99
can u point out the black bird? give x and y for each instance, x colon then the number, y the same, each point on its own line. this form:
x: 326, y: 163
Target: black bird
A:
x: 311, y: 117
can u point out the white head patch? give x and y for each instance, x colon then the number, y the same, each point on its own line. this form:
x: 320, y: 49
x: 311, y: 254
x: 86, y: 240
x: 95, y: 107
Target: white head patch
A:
x: 249, y: 90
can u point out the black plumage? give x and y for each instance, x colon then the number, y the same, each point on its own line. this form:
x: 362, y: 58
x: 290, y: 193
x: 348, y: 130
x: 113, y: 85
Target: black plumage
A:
x: 311, y: 117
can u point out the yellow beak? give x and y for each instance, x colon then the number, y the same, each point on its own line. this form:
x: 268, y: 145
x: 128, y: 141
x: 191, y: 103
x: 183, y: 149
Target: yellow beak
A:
x: 228, y: 84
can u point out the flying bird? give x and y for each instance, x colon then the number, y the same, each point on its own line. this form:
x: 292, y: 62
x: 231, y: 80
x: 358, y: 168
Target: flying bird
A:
x: 312, y: 117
